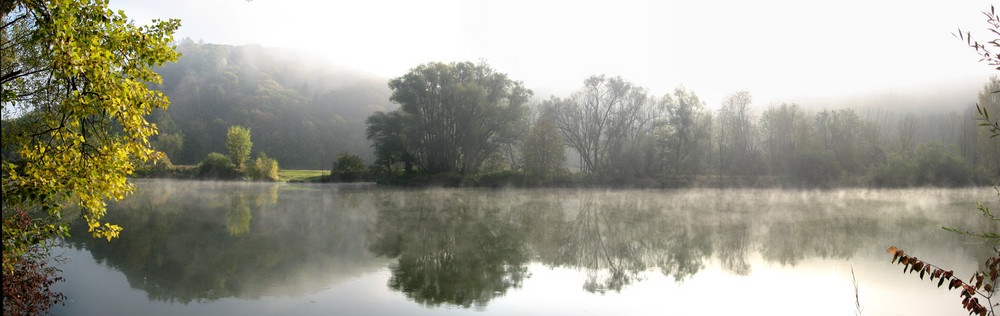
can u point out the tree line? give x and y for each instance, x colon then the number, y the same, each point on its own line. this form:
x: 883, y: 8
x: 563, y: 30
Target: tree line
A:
x: 465, y: 121
x: 301, y: 114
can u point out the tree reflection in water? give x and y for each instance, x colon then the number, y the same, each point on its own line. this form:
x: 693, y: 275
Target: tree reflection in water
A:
x: 238, y: 217
x: 465, y: 247
x: 195, y: 241
x: 450, y: 248
x: 615, y: 238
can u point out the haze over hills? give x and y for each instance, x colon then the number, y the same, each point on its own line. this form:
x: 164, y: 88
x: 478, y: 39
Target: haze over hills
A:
x: 300, y: 111
x: 948, y: 96
x: 304, y: 109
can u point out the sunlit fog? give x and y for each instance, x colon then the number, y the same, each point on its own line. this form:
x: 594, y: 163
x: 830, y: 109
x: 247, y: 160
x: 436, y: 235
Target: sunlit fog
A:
x: 781, y: 51
x: 393, y: 157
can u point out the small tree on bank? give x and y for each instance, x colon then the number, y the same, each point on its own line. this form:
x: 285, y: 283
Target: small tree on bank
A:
x: 348, y: 168
x: 263, y: 168
x: 239, y: 144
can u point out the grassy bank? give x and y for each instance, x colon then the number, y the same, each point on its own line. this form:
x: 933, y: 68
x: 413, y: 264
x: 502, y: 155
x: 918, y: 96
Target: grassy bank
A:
x: 302, y: 175
x: 192, y: 172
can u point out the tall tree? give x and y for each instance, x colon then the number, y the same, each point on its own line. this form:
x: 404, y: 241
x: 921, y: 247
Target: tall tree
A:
x: 687, y: 136
x: 906, y: 130
x: 542, y: 150
x: 457, y: 115
x: 851, y: 139
x: 599, y: 120
x: 75, y: 79
x: 739, y: 151
x: 786, y: 130
x: 239, y: 144
x: 385, y: 131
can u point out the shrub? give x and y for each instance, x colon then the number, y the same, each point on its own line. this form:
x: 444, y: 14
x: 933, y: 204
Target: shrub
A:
x: 159, y: 167
x: 348, y: 168
x: 896, y: 171
x: 815, y: 167
x: 263, y: 168
x: 501, y: 178
x: 218, y: 166
x: 938, y: 164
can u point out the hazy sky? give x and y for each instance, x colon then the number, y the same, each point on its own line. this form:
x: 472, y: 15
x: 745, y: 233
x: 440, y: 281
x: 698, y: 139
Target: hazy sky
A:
x: 778, y: 50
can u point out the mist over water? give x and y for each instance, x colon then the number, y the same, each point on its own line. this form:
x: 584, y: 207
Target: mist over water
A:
x: 264, y: 248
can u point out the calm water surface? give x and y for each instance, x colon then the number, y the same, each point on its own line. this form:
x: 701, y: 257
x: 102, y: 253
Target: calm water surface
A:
x: 232, y: 248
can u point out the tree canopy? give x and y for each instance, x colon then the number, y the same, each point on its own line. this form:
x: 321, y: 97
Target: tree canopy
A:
x: 75, y: 99
x: 302, y: 110
x: 239, y: 144
x: 455, y: 116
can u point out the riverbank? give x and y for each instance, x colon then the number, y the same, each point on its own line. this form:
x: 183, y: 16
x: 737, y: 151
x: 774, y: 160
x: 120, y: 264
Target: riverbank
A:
x: 517, y: 179
x: 191, y: 172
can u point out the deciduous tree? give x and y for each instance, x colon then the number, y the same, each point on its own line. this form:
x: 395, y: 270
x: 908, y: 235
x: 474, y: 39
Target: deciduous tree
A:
x: 239, y: 144
x: 600, y: 119
x: 688, y: 130
x: 76, y: 76
x: 457, y: 115
x: 542, y: 151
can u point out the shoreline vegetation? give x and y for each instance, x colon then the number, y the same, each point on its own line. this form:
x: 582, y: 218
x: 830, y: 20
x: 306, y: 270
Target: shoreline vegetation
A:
x: 517, y: 179
x: 192, y: 172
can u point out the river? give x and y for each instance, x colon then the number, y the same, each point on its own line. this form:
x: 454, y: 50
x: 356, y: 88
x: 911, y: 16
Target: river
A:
x: 238, y: 248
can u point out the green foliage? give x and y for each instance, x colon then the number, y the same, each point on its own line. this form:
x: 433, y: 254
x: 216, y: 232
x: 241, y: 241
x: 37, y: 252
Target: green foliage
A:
x: 933, y: 162
x: 161, y: 167
x: 503, y: 178
x: 941, y: 165
x: 348, y: 168
x: 79, y: 74
x: 815, y: 167
x: 542, y: 152
x: 263, y: 168
x: 737, y: 136
x: 456, y: 116
x: 302, y: 110
x: 896, y: 171
x: 852, y: 139
x: 385, y: 130
x: 684, y: 133
x: 217, y: 166
x: 987, y: 145
x: 303, y: 175
x: 784, y: 128
x: 433, y: 267
x: 988, y: 236
x: 169, y: 144
x: 169, y: 139
x: 239, y: 144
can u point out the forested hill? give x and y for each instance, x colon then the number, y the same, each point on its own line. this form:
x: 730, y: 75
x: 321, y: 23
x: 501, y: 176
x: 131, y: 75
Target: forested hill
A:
x: 301, y: 110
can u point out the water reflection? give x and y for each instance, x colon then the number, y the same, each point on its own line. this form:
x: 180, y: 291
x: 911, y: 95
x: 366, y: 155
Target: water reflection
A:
x: 454, y: 248
x: 192, y: 242
x: 615, y: 238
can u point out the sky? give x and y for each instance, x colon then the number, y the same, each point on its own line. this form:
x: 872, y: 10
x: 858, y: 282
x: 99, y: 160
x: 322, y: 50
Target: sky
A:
x: 780, y: 51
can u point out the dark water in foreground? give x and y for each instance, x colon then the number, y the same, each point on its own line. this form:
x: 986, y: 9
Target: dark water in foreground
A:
x: 221, y: 248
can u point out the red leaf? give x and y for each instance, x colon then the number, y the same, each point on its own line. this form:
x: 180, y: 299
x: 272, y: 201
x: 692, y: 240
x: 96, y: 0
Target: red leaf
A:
x: 954, y: 283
